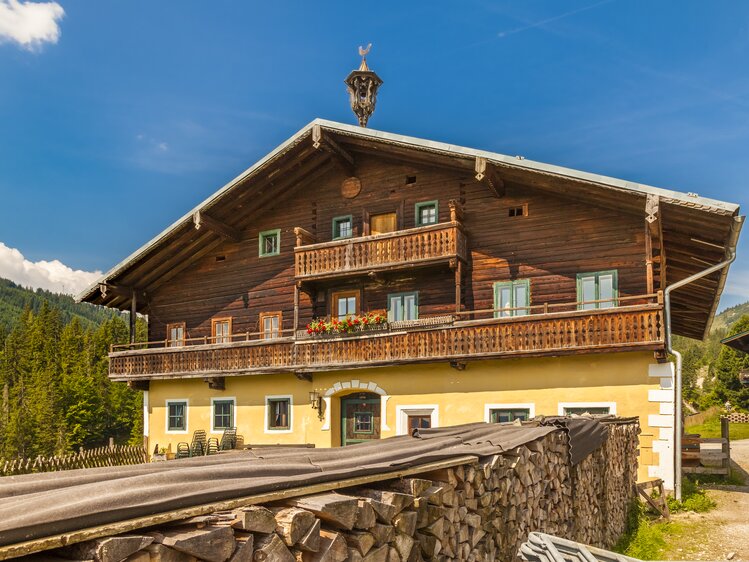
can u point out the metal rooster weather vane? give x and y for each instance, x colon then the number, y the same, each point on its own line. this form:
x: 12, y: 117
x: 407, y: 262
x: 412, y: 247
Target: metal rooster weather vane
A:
x: 362, y: 87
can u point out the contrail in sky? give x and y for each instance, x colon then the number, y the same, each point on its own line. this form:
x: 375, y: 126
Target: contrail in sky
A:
x: 540, y: 23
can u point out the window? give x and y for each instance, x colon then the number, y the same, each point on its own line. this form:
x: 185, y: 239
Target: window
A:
x: 270, y: 325
x: 504, y: 412
x: 426, y: 213
x: 403, y: 306
x: 343, y: 227
x: 521, y: 211
x: 278, y: 413
x: 363, y: 422
x: 270, y: 243
x: 598, y: 286
x: 419, y: 422
x: 175, y: 334
x: 344, y: 303
x: 221, y: 330
x: 419, y: 416
x: 176, y: 416
x: 511, y: 298
x: 223, y: 413
x: 502, y: 415
x: 593, y: 408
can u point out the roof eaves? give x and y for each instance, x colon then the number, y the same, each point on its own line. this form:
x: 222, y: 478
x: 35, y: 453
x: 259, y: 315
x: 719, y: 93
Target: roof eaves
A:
x: 670, y: 196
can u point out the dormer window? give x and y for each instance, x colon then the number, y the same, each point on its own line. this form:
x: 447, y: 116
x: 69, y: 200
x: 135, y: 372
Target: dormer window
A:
x: 426, y: 213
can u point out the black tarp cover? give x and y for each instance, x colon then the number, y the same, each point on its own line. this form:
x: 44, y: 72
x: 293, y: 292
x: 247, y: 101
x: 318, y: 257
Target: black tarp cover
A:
x: 39, y: 505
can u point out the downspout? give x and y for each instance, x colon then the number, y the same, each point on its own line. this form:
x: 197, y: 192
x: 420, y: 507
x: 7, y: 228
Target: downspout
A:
x: 731, y: 256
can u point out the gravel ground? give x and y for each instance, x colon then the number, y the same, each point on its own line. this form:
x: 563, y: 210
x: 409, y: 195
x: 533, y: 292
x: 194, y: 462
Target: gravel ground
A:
x: 723, y: 533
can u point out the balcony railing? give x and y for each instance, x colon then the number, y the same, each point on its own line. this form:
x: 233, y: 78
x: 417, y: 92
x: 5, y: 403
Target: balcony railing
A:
x: 414, y: 247
x: 623, y: 328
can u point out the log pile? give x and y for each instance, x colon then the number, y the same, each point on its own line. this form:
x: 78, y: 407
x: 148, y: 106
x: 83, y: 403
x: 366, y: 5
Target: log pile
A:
x: 479, y: 511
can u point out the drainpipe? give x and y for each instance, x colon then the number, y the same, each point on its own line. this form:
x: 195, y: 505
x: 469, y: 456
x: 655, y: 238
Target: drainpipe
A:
x: 731, y: 256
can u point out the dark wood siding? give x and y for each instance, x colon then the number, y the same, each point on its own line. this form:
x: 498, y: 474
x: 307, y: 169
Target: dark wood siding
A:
x: 558, y: 239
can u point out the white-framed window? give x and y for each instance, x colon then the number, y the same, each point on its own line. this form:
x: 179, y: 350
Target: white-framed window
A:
x: 507, y: 412
x: 419, y: 416
x: 570, y: 408
x: 177, y: 410
x: 279, y: 413
x: 223, y: 413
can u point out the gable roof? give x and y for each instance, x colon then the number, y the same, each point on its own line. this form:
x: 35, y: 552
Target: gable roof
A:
x: 699, y: 230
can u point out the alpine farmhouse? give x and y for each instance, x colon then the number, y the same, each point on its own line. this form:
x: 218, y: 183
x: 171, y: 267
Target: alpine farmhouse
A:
x: 458, y: 285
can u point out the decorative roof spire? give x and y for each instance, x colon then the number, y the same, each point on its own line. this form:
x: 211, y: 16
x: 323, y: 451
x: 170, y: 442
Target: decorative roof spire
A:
x: 362, y: 88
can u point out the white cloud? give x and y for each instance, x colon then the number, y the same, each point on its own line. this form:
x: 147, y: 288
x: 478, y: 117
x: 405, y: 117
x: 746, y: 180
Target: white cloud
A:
x: 30, y: 24
x: 51, y: 275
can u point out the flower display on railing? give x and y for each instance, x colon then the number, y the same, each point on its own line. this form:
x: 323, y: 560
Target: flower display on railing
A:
x: 350, y: 324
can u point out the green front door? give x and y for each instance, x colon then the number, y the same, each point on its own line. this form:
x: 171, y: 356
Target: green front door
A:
x: 360, y: 417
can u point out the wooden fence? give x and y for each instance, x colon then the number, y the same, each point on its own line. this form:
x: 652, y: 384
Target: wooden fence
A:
x: 103, y: 456
x: 701, y: 455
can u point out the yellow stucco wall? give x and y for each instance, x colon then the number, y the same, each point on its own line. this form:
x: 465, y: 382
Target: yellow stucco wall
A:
x: 460, y: 396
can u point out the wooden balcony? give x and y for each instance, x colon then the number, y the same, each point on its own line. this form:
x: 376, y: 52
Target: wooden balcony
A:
x: 415, y: 247
x: 624, y: 328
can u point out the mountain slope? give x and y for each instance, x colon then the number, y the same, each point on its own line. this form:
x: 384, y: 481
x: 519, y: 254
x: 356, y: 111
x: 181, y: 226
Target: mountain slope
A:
x: 14, y: 299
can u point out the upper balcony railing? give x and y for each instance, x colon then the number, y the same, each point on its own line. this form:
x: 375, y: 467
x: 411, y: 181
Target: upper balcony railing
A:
x: 637, y: 324
x: 414, y: 247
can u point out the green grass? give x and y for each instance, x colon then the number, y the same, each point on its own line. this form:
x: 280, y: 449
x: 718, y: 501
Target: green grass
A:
x: 711, y: 429
x: 645, y: 539
x: 693, y: 498
x: 649, y: 539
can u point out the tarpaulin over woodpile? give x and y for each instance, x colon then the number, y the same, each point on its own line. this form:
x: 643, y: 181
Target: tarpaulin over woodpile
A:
x: 584, y: 437
x: 39, y: 505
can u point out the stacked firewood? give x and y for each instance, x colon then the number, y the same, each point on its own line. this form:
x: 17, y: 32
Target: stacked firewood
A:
x: 483, y: 510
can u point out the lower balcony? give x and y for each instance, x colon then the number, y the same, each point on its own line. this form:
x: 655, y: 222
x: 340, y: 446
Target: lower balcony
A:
x: 623, y: 328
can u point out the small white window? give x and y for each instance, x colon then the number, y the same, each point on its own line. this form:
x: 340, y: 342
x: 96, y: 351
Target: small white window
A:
x: 418, y: 416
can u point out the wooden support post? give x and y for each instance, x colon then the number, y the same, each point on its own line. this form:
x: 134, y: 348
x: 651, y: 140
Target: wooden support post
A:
x: 296, y: 309
x: 133, y: 315
x: 648, y: 260
x: 726, y: 444
x: 458, y: 286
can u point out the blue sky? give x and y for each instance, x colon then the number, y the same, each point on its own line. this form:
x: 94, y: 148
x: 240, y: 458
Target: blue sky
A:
x: 126, y: 114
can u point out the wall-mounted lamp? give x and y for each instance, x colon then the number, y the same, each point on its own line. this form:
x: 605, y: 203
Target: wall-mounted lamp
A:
x: 317, y: 403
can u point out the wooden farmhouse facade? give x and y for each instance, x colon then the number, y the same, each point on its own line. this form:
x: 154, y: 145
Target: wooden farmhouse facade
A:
x: 457, y: 285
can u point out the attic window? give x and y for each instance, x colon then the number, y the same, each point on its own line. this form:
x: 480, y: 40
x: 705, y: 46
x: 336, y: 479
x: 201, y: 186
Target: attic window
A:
x: 518, y: 211
x: 220, y: 258
x: 410, y: 180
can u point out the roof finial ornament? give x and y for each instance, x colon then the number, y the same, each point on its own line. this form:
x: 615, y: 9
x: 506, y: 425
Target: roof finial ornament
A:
x: 362, y: 88
x: 363, y: 54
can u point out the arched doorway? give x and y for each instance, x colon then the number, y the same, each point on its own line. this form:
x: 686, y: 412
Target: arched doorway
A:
x: 360, y: 417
